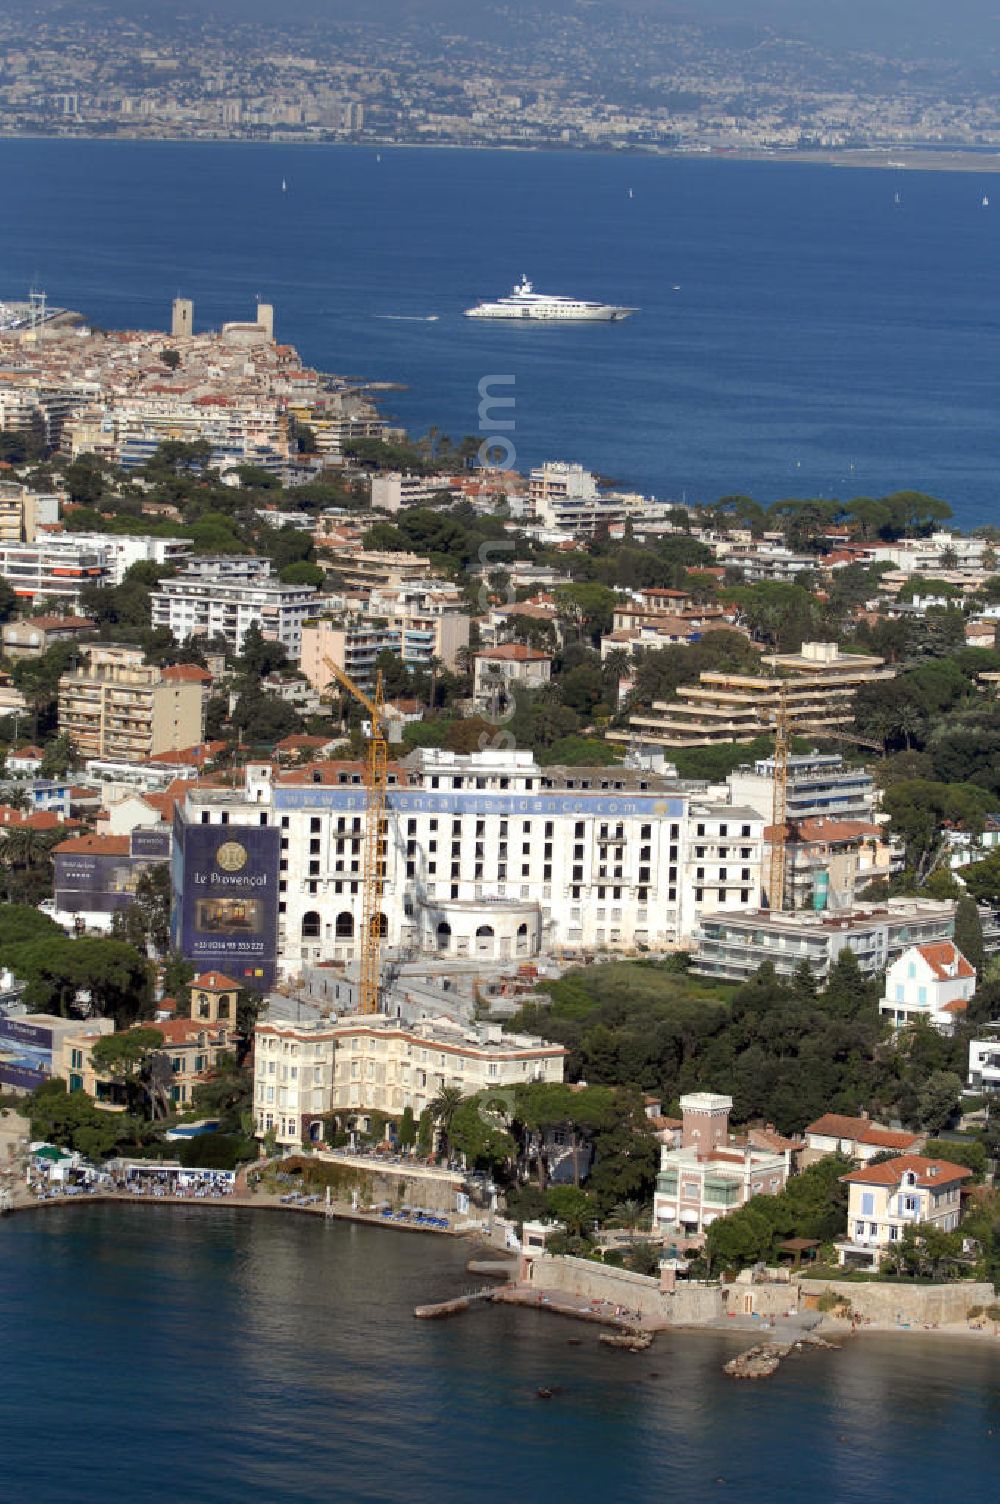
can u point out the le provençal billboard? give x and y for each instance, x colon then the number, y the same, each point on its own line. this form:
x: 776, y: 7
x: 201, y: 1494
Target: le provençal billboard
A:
x: 25, y: 1053
x: 226, y: 899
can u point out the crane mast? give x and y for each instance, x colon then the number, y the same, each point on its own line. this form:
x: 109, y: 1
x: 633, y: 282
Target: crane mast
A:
x: 376, y: 783
x: 779, y: 806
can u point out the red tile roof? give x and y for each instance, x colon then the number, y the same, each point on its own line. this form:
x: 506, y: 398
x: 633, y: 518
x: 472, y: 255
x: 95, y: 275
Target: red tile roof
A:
x: 929, y: 1172
x: 862, y: 1131
x: 177, y: 1031
x: 515, y: 652
x: 99, y: 845
x: 946, y: 960
x: 215, y: 981
x: 40, y: 819
x: 823, y: 828
x: 300, y: 742
x: 192, y: 757
x: 49, y: 623
x: 186, y: 673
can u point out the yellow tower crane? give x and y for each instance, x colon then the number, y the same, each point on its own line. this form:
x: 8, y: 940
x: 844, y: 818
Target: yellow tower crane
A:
x: 376, y: 783
x: 779, y: 806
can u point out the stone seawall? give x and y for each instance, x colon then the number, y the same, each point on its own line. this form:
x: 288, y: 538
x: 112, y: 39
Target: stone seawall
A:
x: 376, y: 1183
x: 902, y: 1304
x: 586, y: 1280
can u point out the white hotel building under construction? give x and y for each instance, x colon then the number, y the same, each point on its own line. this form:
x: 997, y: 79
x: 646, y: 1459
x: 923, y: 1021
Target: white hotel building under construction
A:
x: 490, y: 855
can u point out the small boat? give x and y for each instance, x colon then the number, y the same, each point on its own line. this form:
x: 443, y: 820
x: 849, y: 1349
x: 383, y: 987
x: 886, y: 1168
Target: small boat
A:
x: 986, y: 201
x: 409, y: 318
x: 284, y: 186
x: 631, y: 194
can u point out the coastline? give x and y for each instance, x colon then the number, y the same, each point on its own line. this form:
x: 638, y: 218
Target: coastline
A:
x: 886, y: 159
x: 553, y: 1302
x: 336, y: 1211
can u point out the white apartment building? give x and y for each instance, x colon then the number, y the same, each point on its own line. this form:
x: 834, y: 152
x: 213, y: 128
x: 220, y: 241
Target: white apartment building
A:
x: 52, y: 569
x: 228, y: 568
x: 357, y: 1065
x: 732, y: 946
x: 818, y: 785
x: 883, y: 1200
x: 984, y: 1062
x: 121, y: 550
x: 392, y: 490
x: 492, y: 856
x: 941, y: 552
x: 196, y: 605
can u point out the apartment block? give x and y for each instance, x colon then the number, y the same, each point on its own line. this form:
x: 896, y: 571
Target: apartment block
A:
x: 193, y: 604
x: 24, y: 512
x: 121, y: 550
x: 128, y: 710
x: 733, y: 946
x: 392, y: 490
x: 819, y: 785
x: 818, y: 686
x: 366, y: 569
x: 420, y: 623
x: 238, y: 429
x: 52, y: 569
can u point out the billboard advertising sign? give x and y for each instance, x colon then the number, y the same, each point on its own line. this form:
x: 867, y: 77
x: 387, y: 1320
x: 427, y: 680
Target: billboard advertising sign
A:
x: 152, y: 845
x: 94, y: 881
x: 25, y: 1053
x: 228, y: 899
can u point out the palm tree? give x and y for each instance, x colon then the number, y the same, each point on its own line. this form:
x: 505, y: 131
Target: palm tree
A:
x: 442, y: 1110
x: 25, y: 847
x: 627, y: 1214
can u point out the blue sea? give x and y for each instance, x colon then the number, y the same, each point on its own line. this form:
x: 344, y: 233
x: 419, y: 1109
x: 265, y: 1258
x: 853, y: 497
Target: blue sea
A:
x: 803, y: 330
x: 218, y: 1356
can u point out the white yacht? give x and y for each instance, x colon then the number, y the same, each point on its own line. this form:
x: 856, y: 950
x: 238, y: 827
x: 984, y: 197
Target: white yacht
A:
x: 525, y: 303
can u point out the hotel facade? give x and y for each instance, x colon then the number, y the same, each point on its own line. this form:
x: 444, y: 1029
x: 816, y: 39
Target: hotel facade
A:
x: 486, y: 855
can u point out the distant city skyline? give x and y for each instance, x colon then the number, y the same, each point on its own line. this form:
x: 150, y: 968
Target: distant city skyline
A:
x: 774, y: 74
